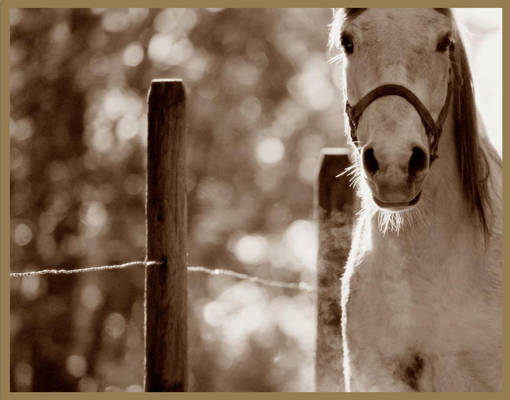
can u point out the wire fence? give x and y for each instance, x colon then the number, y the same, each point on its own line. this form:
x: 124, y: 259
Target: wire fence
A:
x: 302, y: 286
x: 166, y: 343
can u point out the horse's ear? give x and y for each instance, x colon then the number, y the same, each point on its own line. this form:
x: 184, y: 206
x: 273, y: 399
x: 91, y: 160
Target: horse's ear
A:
x: 334, y: 13
x: 445, y: 11
x: 351, y: 13
x: 334, y: 29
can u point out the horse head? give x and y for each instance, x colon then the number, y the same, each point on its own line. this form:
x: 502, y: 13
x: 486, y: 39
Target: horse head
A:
x: 398, y: 70
x: 405, y: 71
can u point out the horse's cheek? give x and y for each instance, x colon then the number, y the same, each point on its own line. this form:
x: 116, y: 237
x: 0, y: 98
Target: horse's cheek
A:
x: 351, y: 80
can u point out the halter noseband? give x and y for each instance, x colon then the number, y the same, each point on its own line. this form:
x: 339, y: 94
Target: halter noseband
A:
x: 433, y: 128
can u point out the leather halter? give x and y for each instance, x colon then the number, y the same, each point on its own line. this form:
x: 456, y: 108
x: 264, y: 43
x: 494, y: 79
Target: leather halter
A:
x: 433, y: 128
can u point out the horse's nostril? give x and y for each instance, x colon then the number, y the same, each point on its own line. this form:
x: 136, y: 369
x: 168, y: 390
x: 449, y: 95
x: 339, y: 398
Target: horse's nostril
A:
x: 417, y: 162
x: 369, y: 161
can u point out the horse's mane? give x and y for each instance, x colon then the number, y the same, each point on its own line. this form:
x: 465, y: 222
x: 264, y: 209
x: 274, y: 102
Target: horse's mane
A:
x: 471, y: 158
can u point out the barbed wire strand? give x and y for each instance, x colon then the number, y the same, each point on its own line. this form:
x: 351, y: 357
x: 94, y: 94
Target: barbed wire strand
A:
x: 85, y: 269
x: 193, y: 268
x: 266, y: 282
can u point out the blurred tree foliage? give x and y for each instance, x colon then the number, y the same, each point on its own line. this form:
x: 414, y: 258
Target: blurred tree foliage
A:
x: 262, y: 101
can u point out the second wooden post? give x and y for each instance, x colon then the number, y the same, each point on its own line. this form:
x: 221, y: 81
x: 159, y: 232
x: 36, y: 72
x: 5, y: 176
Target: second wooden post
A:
x: 335, y: 203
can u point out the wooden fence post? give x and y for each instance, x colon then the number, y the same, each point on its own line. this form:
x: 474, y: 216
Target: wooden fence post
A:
x: 166, y: 285
x: 335, y: 203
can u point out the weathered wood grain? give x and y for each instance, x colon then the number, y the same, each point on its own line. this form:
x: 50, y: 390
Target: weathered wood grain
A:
x: 335, y: 204
x: 166, y: 286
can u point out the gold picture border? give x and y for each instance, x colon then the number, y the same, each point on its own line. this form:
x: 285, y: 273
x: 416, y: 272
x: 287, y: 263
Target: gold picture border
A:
x: 5, y: 195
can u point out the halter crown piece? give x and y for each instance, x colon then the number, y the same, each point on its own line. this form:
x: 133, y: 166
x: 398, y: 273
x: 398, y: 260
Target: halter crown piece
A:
x: 433, y: 128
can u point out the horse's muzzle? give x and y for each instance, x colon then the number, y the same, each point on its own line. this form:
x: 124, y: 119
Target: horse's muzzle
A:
x: 395, y: 178
x: 395, y: 191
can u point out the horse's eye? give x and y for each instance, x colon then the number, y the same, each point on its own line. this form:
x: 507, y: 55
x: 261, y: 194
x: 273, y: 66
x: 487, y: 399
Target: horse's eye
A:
x: 346, y: 41
x: 444, y: 44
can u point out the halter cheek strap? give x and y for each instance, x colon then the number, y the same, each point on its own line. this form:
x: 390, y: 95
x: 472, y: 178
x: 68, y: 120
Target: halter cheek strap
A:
x: 433, y: 128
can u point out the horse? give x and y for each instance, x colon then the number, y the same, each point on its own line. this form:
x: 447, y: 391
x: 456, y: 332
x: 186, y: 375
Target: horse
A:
x: 421, y: 293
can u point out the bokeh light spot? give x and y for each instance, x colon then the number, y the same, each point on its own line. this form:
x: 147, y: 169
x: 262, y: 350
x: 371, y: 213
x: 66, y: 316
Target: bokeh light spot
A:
x: 21, y: 129
x: 115, y: 325
x: 15, y: 16
x: 301, y: 238
x: 95, y: 216
x: 76, y: 365
x: 134, y: 184
x: 214, y: 314
x: 270, y: 150
x: 31, y: 287
x: 112, y: 388
x: 127, y: 127
x: 166, y: 50
x: 175, y: 20
x: 23, y: 375
x: 115, y: 20
x: 251, y: 249
x: 88, y: 384
x: 251, y: 108
x: 133, y: 54
x: 91, y: 297
x: 22, y: 234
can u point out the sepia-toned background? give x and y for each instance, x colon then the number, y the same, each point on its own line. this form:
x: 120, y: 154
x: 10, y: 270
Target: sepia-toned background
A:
x: 262, y: 101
